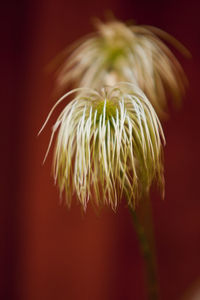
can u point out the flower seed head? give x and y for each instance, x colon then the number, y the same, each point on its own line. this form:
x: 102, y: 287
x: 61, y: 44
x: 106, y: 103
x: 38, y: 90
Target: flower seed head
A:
x: 109, y: 144
x: 117, y: 52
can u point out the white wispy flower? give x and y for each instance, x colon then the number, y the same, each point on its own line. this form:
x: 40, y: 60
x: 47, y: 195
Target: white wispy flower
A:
x: 117, y: 52
x: 108, y: 144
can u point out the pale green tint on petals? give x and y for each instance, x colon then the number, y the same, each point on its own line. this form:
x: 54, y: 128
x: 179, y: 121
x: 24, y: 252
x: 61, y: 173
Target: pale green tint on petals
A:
x: 109, y: 144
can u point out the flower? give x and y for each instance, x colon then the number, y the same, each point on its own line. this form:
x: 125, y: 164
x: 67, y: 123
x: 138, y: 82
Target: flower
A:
x: 109, y: 144
x: 117, y: 52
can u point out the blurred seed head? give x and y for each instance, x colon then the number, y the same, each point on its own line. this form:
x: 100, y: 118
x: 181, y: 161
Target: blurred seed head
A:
x: 117, y: 52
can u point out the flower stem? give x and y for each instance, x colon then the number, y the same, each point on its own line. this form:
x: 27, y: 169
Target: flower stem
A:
x: 144, y: 229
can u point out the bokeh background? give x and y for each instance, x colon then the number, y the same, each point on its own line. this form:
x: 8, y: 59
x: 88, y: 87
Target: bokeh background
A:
x: 48, y: 252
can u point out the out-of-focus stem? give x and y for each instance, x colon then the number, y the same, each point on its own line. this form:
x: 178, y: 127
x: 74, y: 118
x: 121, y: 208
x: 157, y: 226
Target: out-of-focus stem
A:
x: 143, y: 224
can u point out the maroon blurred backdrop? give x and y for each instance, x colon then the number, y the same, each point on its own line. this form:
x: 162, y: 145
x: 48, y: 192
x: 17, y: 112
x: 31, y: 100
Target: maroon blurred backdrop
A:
x: 47, y: 251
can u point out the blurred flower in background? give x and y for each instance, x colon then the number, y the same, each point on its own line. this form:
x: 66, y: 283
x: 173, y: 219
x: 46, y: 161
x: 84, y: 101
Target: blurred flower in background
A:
x: 118, y: 52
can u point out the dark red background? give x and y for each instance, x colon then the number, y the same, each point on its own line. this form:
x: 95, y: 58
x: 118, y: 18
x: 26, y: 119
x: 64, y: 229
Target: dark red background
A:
x: 47, y: 251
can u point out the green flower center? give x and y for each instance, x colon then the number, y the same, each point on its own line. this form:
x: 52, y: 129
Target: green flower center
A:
x: 114, y: 54
x: 110, y: 109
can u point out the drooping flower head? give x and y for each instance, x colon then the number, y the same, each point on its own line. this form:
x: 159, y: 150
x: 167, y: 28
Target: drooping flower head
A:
x: 117, y: 52
x: 109, y: 144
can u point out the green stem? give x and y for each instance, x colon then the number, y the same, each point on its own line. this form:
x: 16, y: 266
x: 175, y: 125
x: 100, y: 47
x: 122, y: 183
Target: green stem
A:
x: 146, y: 240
